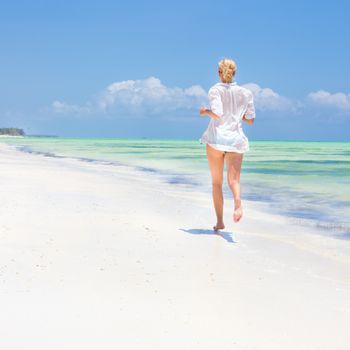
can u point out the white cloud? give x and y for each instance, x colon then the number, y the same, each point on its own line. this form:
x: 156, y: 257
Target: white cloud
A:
x: 267, y: 99
x: 337, y: 100
x: 146, y: 96
x: 150, y: 94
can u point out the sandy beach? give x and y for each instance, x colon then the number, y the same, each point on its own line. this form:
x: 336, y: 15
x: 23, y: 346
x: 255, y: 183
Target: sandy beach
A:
x: 107, y: 257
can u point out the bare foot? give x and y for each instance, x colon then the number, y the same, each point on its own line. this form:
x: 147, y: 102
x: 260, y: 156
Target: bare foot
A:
x: 238, y: 212
x: 219, y: 226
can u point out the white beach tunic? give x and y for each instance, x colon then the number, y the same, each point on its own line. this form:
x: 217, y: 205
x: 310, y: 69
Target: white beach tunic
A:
x: 230, y: 102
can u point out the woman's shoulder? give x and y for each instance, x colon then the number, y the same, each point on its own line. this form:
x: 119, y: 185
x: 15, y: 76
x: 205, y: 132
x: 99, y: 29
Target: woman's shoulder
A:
x: 244, y: 90
x: 218, y: 88
x: 215, y: 86
x: 215, y: 90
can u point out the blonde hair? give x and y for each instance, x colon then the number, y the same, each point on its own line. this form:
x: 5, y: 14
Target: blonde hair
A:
x: 227, y: 69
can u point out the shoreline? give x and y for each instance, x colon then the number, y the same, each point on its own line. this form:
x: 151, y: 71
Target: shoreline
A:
x: 322, y: 220
x: 87, y: 256
x: 262, y: 207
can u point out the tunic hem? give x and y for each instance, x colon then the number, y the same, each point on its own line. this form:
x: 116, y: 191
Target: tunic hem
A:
x: 224, y: 148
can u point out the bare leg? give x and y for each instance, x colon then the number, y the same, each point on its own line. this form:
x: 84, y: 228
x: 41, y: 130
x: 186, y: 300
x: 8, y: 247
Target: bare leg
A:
x: 216, y: 165
x: 233, y: 166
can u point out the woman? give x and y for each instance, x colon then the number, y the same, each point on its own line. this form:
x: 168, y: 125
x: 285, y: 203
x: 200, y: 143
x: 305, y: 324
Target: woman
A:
x: 230, y: 104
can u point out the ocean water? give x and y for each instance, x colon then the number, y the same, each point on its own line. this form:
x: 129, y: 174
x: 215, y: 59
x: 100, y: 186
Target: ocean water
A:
x: 307, y: 181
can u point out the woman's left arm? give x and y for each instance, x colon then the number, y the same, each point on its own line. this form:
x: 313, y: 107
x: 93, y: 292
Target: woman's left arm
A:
x: 249, y: 114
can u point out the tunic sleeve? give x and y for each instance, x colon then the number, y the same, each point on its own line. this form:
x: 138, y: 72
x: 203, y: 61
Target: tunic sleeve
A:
x: 250, y: 111
x: 215, y: 102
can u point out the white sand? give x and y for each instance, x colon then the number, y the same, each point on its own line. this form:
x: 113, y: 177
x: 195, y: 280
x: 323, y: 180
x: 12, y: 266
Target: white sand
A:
x: 103, y: 257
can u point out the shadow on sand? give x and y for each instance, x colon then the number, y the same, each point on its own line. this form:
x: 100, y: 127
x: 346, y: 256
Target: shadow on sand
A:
x: 197, y: 231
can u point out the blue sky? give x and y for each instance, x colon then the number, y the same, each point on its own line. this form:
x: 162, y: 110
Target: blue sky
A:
x: 142, y: 68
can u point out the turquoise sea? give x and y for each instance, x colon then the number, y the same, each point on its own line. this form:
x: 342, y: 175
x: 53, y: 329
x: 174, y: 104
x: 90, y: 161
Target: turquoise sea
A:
x: 306, y: 181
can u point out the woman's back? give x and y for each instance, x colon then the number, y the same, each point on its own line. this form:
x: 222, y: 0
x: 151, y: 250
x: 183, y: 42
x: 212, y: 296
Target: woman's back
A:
x: 230, y: 102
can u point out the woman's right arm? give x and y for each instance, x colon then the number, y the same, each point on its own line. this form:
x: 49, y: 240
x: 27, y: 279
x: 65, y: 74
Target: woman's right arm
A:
x: 205, y: 111
x: 248, y: 121
x: 216, y: 108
